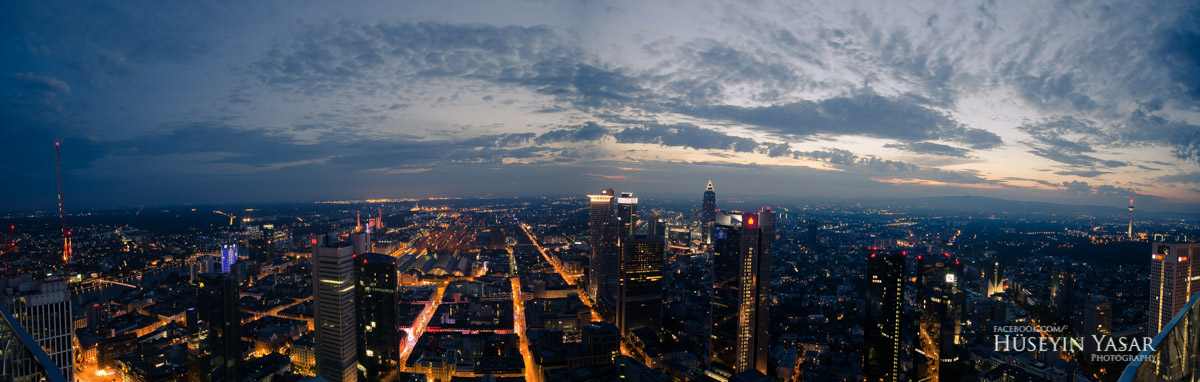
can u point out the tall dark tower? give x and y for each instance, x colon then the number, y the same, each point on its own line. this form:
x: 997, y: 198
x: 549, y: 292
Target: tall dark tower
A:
x: 885, y: 295
x: 708, y: 212
x: 939, y: 332
x: 741, y: 282
x: 377, y: 294
x: 639, y: 297
x: 627, y: 213
x: 214, y: 326
x: 604, y: 233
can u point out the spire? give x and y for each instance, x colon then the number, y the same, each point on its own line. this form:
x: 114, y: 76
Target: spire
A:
x: 1130, y: 218
x: 710, y: 187
x: 358, y: 226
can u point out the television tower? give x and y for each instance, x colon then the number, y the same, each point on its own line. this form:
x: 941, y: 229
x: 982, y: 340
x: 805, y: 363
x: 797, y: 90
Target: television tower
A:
x: 62, y: 214
x: 1130, y: 218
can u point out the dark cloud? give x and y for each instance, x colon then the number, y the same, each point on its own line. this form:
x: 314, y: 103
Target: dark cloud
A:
x: 864, y: 113
x: 589, y: 131
x: 930, y: 148
x: 1065, y: 140
x: 846, y: 160
x: 1179, y: 52
x: 1053, y: 91
x: 684, y: 135
x: 1082, y: 173
x: 1104, y: 190
x: 1144, y: 127
x: 1187, y: 177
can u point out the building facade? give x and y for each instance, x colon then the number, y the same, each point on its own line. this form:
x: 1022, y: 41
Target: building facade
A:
x: 1172, y: 269
x: 604, y: 233
x: 741, y: 281
x: 334, y: 312
x: 43, y: 309
x: 377, y: 293
x: 640, y: 294
x: 885, y: 309
x: 214, y: 330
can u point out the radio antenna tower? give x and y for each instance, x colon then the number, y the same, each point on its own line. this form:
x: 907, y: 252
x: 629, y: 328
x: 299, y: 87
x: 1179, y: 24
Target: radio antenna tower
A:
x: 62, y: 214
x: 1130, y: 218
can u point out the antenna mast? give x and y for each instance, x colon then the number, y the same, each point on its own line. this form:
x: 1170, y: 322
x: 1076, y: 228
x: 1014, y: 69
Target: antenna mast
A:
x: 62, y: 214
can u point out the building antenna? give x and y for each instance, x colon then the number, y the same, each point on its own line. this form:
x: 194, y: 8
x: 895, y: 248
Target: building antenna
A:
x: 12, y: 245
x: 62, y: 214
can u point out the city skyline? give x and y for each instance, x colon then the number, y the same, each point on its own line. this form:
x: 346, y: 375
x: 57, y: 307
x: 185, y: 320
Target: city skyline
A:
x: 1064, y: 103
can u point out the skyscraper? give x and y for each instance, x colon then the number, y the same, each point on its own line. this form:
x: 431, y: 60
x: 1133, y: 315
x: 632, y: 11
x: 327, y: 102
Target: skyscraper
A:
x: 708, y: 212
x: 1097, y: 319
x: 627, y: 214
x: 1062, y: 286
x: 334, y: 313
x: 44, y: 310
x: 1172, y: 269
x: 229, y: 255
x: 604, y: 234
x: 639, y: 296
x: 885, y: 295
x: 214, y: 330
x: 741, y: 281
x: 939, y: 331
x: 377, y: 293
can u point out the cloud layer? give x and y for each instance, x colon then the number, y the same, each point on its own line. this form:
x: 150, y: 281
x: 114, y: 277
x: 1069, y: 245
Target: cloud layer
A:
x: 1084, y: 102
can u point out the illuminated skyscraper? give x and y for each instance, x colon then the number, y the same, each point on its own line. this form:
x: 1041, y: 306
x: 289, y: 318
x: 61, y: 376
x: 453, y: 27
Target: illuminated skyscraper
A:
x: 741, y: 282
x: 214, y: 330
x: 627, y: 214
x: 334, y: 313
x: 43, y: 309
x: 377, y: 293
x: 939, y: 331
x: 1062, y: 286
x: 604, y: 232
x: 708, y: 212
x: 1172, y: 271
x: 885, y: 293
x: 639, y: 296
x: 229, y: 255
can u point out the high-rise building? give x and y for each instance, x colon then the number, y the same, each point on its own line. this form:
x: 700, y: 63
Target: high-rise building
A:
x: 741, y: 281
x: 656, y: 226
x: 1062, y: 285
x: 361, y: 241
x: 1097, y: 319
x: 885, y: 299
x: 377, y: 292
x: 604, y: 236
x: 260, y: 248
x: 939, y: 331
x: 229, y: 255
x: 214, y: 330
x: 43, y: 309
x: 708, y: 212
x: 639, y: 296
x: 814, y: 228
x: 334, y: 313
x: 1172, y: 271
x: 627, y: 214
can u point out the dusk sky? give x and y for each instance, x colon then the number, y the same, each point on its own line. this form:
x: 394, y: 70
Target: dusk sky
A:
x: 164, y: 102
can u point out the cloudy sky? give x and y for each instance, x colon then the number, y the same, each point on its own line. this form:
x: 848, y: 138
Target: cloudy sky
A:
x: 1073, y: 102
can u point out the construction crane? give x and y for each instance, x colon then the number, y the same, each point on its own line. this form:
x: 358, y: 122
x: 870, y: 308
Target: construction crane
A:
x: 62, y: 214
